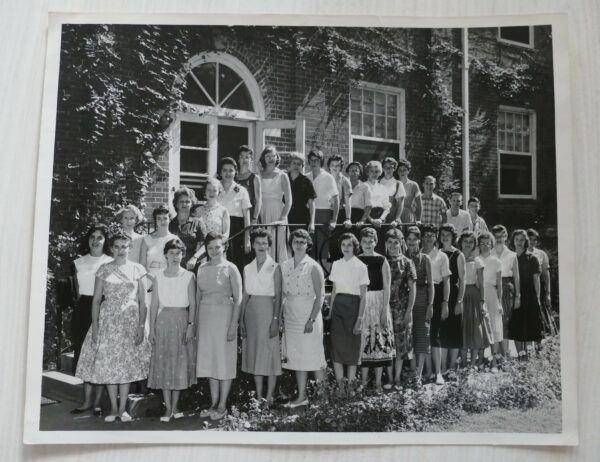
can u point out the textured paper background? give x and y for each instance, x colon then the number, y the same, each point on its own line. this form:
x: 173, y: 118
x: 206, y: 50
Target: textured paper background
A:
x: 23, y: 49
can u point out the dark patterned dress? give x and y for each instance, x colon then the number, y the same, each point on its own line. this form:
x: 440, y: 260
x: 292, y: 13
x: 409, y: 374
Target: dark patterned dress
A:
x: 421, y: 327
x: 526, y: 322
x: 451, y: 335
x: 377, y: 339
x: 402, y: 271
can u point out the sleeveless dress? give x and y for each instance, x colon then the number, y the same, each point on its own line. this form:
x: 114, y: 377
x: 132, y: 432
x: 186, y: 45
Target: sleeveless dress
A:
x: 377, y: 339
x: 526, y: 324
x: 272, y: 206
x: 301, y: 352
x: 248, y: 183
x: 173, y: 361
x: 477, y: 329
x: 216, y: 356
x: 115, y: 358
x: 402, y: 271
x: 421, y: 326
x: 451, y: 329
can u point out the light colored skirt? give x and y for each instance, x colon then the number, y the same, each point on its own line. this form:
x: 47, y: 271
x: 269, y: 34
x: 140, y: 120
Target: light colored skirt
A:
x: 378, y: 345
x: 173, y: 360
x: 493, y: 306
x: 261, y: 354
x: 216, y: 356
x: 476, y: 327
x: 302, y: 352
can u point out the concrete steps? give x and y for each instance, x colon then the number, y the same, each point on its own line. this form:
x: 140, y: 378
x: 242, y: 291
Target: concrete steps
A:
x: 62, y: 385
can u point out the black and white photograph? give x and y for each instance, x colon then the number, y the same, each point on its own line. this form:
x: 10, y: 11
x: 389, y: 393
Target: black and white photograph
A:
x: 341, y: 230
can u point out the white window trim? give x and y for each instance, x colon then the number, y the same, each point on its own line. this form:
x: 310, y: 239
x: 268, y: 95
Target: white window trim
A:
x: 530, y: 45
x: 533, y: 154
x: 400, y: 119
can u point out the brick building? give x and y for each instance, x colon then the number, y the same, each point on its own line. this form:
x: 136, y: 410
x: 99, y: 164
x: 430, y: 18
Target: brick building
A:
x: 240, y: 93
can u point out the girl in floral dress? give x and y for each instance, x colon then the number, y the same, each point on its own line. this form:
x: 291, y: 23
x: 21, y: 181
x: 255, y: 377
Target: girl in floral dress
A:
x: 378, y: 348
x: 402, y: 300
x: 115, y: 351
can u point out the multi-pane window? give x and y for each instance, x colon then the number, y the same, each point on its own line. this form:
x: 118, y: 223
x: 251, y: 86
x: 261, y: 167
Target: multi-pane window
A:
x: 516, y: 153
x: 516, y: 35
x: 374, y: 123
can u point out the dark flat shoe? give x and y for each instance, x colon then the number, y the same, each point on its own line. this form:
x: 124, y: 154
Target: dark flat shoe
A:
x: 78, y: 410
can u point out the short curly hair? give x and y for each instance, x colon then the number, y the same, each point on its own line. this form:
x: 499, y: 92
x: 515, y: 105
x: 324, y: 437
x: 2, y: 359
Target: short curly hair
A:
x: 515, y: 233
x: 174, y: 243
x: 183, y: 191
x: 160, y: 210
x: 301, y: 234
x: 85, y: 241
x: 449, y: 228
x: 317, y: 153
x: 129, y: 208
x: 466, y: 235
x: 261, y: 232
x: 352, y: 238
x: 368, y: 232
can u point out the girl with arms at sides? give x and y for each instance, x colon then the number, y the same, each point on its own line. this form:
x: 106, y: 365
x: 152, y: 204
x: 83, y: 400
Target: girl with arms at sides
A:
x: 477, y: 331
x: 185, y: 226
x: 526, y: 325
x: 218, y: 297
x: 302, y: 212
x: 261, y: 316
x: 303, y: 290
x: 412, y: 208
x: 350, y: 279
x: 378, y: 350
x: 395, y: 190
x: 236, y: 200
x: 492, y: 280
x: 423, y: 307
x: 440, y: 274
x: 115, y: 352
x: 511, y: 287
x: 402, y: 299
x: 95, y: 254
x: 276, y: 201
x: 129, y: 217
x: 451, y: 335
x: 172, y: 313
x: 250, y: 181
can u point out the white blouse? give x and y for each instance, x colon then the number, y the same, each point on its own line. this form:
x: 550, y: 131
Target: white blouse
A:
x: 325, y: 187
x: 492, y: 265
x: 361, y: 196
x: 394, y: 187
x: 440, y: 265
x: 507, y: 260
x: 379, y: 195
x: 349, y: 275
x: 260, y: 282
x: 462, y: 221
x: 86, y: 272
x: 173, y: 291
x: 236, y: 200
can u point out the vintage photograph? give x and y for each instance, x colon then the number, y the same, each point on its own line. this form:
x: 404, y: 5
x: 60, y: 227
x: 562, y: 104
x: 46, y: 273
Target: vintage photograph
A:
x: 302, y: 229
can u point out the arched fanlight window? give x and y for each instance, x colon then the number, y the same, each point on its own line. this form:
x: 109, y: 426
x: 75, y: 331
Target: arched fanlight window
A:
x: 217, y: 85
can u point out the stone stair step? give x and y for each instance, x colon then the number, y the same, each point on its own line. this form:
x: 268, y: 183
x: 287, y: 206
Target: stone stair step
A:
x: 63, y: 386
x: 66, y: 362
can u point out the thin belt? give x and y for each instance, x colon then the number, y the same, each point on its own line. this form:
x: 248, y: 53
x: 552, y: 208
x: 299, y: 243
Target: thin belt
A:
x: 175, y: 307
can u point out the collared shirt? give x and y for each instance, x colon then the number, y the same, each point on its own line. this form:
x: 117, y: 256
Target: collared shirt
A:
x: 461, y: 222
x: 325, y: 187
x: 440, y: 265
x: 492, y: 265
x: 478, y: 226
x: 432, y: 209
x: 361, y: 196
x: 344, y: 188
x: 297, y: 279
x: 349, y: 275
x: 302, y: 192
x: 507, y: 259
x: 394, y: 187
x: 379, y: 195
x: 260, y: 282
x: 86, y: 267
x: 235, y: 200
x: 542, y: 257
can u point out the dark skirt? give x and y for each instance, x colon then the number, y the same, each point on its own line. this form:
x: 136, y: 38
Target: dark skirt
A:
x: 235, y: 250
x: 526, y: 323
x: 477, y: 328
x: 436, y: 320
x: 321, y: 241
x: 81, y: 321
x: 376, y: 212
x: 451, y: 335
x: 345, y: 346
x: 421, y: 327
x: 508, y: 302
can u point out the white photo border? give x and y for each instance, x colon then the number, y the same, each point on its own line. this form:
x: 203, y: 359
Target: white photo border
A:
x: 566, y: 235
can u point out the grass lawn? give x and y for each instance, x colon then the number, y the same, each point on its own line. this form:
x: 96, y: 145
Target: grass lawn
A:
x: 545, y: 419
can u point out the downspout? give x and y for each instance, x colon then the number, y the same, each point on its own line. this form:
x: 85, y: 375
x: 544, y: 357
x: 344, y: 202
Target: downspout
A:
x: 465, y: 105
